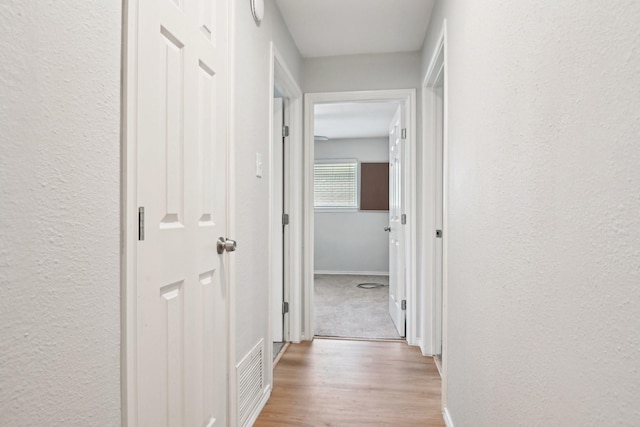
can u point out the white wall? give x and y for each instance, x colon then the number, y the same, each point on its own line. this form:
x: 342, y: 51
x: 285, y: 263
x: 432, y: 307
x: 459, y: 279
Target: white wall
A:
x: 362, y: 72
x: 351, y: 242
x: 251, y: 135
x: 59, y: 214
x: 544, y: 224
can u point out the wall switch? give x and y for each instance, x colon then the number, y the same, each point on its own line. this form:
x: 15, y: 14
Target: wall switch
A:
x: 259, y: 165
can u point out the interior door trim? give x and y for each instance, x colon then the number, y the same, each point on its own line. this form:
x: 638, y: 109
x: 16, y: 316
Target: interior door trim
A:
x: 407, y: 97
x: 283, y: 79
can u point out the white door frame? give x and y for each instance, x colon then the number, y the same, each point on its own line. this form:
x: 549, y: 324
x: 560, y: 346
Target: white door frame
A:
x: 407, y: 97
x: 281, y: 77
x: 437, y: 68
x: 129, y: 217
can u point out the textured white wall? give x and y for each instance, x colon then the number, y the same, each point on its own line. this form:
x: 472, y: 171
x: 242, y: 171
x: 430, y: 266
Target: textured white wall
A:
x: 59, y: 214
x: 352, y: 241
x: 251, y: 111
x: 544, y: 237
x: 362, y: 72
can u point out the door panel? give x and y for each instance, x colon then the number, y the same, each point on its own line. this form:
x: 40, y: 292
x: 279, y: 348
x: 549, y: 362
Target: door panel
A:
x: 207, y: 131
x: 396, y: 234
x: 181, y: 280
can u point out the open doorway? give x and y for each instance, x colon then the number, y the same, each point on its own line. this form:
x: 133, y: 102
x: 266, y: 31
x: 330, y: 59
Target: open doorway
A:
x: 285, y: 198
x: 351, y: 217
x: 349, y: 245
x: 279, y: 239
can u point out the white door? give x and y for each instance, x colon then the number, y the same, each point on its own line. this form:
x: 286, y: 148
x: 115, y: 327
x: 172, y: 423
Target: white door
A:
x: 181, y: 282
x: 395, y: 228
x: 277, y: 227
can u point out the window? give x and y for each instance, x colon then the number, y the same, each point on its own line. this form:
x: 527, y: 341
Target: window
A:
x: 335, y: 184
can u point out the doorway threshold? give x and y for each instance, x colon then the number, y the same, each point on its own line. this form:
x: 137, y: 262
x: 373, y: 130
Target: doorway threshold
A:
x: 278, y: 350
x: 327, y: 337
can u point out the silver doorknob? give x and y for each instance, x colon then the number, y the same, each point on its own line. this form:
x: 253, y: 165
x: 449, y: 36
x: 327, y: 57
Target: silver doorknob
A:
x: 387, y: 228
x: 225, y: 244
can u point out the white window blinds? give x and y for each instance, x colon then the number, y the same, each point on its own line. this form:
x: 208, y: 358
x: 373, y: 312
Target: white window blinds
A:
x: 335, y: 185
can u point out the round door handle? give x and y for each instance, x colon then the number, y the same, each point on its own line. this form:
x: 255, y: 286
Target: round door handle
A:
x: 225, y: 244
x: 387, y: 228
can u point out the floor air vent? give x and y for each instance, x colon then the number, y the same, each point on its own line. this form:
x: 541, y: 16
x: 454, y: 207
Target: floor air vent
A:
x: 250, y: 383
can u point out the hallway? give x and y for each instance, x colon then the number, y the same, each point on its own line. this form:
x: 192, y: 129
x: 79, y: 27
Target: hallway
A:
x: 330, y: 382
x: 140, y: 141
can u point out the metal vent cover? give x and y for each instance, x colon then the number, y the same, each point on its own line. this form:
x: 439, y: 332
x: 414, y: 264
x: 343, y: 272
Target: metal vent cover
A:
x: 250, y: 382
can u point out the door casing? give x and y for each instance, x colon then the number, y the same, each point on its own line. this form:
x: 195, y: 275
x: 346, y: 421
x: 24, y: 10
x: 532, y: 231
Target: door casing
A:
x: 406, y: 97
x: 282, y: 78
x: 434, y: 86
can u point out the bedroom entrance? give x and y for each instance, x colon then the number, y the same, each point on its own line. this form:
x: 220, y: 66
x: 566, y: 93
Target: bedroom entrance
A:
x: 358, y: 206
x: 285, y: 195
x: 351, y: 206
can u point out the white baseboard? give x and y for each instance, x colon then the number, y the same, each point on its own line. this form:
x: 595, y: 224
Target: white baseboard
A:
x: 353, y: 273
x: 423, y: 348
x: 438, y: 365
x: 416, y: 342
x: 447, y: 417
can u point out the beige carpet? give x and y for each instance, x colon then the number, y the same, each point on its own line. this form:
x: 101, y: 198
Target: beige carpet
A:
x: 342, y: 309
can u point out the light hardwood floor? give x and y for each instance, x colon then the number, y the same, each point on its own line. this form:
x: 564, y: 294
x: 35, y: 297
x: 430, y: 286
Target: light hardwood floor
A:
x: 353, y: 383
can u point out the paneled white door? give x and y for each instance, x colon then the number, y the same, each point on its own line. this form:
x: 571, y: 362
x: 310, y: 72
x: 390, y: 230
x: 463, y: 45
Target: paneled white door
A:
x: 396, y: 232
x: 181, y: 283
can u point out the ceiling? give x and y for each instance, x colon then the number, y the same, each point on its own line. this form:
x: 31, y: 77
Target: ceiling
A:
x: 349, y: 27
x: 353, y: 119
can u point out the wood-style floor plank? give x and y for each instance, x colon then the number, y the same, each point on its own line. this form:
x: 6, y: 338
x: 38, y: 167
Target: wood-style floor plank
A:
x: 353, y: 383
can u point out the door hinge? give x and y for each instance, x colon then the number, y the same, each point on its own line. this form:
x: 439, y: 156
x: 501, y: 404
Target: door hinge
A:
x: 403, y: 219
x: 439, y: 234
x: 285, y: 219
x: 285, y: 131
x: 403, y: 134
x: 404, y: 304
x: 285, y: 307
x: 141, y: 223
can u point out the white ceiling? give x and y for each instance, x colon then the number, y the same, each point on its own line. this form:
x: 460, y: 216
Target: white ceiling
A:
x: 349, y: 27
x: 354, y: 119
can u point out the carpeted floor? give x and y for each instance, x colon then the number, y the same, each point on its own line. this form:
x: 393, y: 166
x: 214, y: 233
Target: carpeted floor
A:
x: 277, y: 346
x: 344, y: 310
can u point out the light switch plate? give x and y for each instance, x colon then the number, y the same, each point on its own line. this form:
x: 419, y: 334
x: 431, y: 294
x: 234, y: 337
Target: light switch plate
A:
x: 259, y: 165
